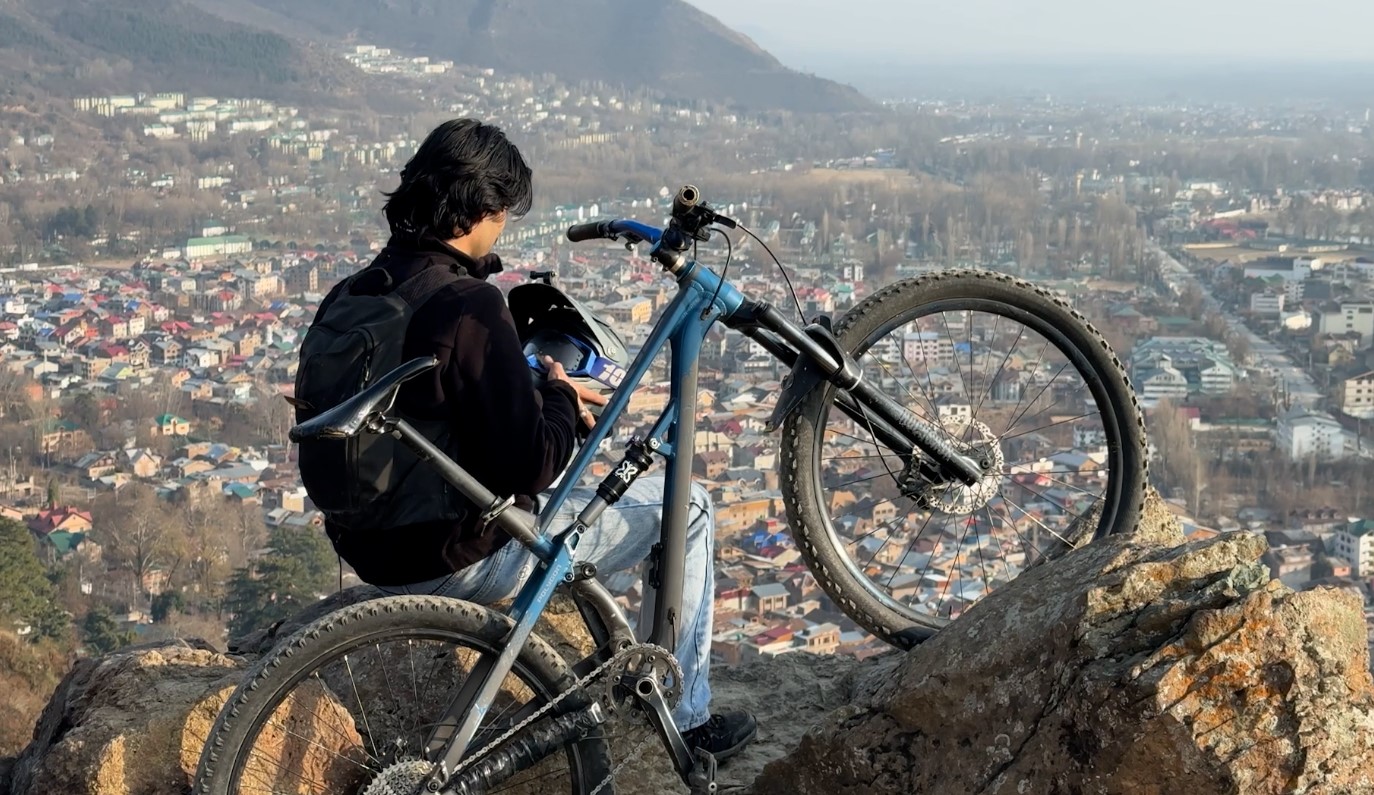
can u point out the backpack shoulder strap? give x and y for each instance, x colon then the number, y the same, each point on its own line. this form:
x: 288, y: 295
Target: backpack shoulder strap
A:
x: 422, y: 286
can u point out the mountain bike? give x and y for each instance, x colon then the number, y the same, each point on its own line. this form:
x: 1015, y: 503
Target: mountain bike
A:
x: 884, y: 412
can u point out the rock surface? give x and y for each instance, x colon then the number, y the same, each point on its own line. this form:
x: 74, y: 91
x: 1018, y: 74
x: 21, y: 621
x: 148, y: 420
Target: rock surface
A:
x: 132, y: 722
x: 1134, y: 665
x: 1141, y: 665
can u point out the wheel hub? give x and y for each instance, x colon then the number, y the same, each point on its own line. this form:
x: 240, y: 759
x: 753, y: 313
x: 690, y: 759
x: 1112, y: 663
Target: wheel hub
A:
x: 970, y: 438
x: 402, y: 778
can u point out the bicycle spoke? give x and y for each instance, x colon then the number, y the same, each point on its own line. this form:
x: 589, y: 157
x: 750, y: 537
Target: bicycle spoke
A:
x: 988, y: 379
x: 1033, y: 518
x: 957, y: 366
x: 364, y: 674
x: 1035, y: 368
x: 370, y: 736
x: 1043, y: 427
x: 934, y: 410
x: 861, y: 480
x: 1076, y: 488
x: 1018, y: 418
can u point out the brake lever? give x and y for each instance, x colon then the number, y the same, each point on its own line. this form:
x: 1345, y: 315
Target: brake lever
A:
x: 629, y: 240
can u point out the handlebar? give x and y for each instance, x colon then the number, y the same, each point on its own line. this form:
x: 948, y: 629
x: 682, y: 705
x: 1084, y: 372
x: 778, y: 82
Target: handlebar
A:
x: 632, y: 231
x: 691, y: 219
x: 691, y: 222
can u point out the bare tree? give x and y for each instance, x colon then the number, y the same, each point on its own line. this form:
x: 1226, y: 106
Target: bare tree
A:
x: 1179, y: 465
x: 139, y: 533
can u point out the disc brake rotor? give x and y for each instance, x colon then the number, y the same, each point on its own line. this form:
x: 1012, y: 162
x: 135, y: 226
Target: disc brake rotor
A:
x: 975, y: 440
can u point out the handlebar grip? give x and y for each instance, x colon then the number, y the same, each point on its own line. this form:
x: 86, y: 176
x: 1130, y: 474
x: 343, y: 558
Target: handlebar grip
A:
x: 596, y: 230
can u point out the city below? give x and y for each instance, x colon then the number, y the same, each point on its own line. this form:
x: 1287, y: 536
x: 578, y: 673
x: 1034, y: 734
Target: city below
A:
x: 165, y: 252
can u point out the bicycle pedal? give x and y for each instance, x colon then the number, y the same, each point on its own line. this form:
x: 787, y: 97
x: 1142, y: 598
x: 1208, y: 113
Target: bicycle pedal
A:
x: 702, y: 780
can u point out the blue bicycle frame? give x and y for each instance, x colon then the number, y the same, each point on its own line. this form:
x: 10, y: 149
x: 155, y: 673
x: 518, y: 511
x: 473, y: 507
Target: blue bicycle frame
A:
x: 703, y: 298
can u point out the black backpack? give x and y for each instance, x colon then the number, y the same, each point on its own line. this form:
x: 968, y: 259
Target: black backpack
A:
x: 371, y: 481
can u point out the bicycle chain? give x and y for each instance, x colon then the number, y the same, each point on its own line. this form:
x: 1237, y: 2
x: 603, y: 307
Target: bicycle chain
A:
x: 577, y: 684
x: 630, y: 757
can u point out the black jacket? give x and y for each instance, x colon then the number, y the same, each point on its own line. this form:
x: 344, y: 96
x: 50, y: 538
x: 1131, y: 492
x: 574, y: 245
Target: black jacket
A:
x: 515, y: 438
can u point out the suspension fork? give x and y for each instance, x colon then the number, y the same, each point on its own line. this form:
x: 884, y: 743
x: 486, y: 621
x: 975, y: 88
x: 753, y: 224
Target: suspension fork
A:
x: 816, y: 356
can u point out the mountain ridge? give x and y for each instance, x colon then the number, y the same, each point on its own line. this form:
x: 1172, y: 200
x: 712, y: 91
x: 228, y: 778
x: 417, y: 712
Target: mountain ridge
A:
x: 666, y: 45
x: 289, y: 51
x: 74, y: 47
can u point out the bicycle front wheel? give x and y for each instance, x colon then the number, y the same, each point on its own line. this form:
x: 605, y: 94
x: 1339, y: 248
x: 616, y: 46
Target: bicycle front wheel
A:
x: 1011, y: 376
x: 345, y: 705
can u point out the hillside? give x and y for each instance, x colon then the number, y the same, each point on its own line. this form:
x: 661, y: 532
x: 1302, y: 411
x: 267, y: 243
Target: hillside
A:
x: 74, y: 47
x: 28, y: 674
x: 668, y: 45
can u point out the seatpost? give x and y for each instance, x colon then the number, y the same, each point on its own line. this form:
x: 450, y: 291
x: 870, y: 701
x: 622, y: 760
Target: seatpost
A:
x: 519, y: 524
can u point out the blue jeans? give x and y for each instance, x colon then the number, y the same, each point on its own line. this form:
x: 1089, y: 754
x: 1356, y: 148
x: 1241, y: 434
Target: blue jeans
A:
x: 621, y: 539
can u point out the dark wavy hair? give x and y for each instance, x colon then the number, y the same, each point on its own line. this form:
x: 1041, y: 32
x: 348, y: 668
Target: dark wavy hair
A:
x: 464, y: 172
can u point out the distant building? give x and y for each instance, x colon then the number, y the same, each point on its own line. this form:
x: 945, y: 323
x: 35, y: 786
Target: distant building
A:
x: 635, y: 311
x: 1162, y: 381
x: 769, y: 598
x: 1303, y: 433
x: 1357, y: 396
x: 1290, y: 269
x: 1267, y: 303
x: 1347, y: 317
x: 1205, y: 365
x: 221, y: 246
x: 927, y: 346
x: 1355, y: 543
x: 170, y: 425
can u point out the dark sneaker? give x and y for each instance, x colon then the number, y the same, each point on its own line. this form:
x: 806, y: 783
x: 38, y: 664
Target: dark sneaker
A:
x: 724, y: 735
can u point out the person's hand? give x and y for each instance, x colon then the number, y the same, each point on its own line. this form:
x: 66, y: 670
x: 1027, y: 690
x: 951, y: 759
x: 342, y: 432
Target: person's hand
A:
x: 585, y: 395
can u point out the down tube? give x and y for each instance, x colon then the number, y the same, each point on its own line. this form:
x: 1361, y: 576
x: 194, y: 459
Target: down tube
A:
x: 688, y: 302
x: 686, y: 350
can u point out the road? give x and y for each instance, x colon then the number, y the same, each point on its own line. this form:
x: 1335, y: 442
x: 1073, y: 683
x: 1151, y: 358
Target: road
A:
x: 1267, y: 356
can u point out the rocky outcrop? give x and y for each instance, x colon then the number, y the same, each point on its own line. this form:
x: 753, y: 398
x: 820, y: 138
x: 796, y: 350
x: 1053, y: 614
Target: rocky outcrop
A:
x: 130, y: 722
x: 1135, y: 665
x: 1138, y: 665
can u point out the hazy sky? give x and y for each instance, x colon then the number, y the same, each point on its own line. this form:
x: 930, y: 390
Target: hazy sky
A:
x: 810, y: 34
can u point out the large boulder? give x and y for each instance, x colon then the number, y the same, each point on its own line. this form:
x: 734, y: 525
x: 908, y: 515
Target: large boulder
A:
x: 130, y: 722
x: 1135, y: 665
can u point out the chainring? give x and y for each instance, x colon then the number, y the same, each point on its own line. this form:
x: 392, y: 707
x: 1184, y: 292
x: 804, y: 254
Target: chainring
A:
x: 630, y: 665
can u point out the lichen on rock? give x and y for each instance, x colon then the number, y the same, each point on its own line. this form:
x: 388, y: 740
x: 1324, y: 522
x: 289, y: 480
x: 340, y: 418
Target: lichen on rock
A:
x: 1134, y: 665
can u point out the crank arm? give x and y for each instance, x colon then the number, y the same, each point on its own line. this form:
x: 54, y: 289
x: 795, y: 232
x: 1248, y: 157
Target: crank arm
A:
x: 647, y: 690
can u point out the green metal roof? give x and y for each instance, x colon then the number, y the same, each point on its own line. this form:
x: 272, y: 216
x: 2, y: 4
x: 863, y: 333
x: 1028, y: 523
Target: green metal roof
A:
x: 65, y: 542
x: 1359, y: 527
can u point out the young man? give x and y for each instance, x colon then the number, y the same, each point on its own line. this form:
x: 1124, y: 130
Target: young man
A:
x: 455, y: 196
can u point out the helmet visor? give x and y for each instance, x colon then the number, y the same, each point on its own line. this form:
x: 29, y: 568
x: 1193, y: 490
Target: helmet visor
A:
x: 579, y: 360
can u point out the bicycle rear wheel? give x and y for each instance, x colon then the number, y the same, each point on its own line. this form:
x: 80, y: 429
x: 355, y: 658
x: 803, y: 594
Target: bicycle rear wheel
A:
x: 1013, y: 377
x: 343, y: 707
